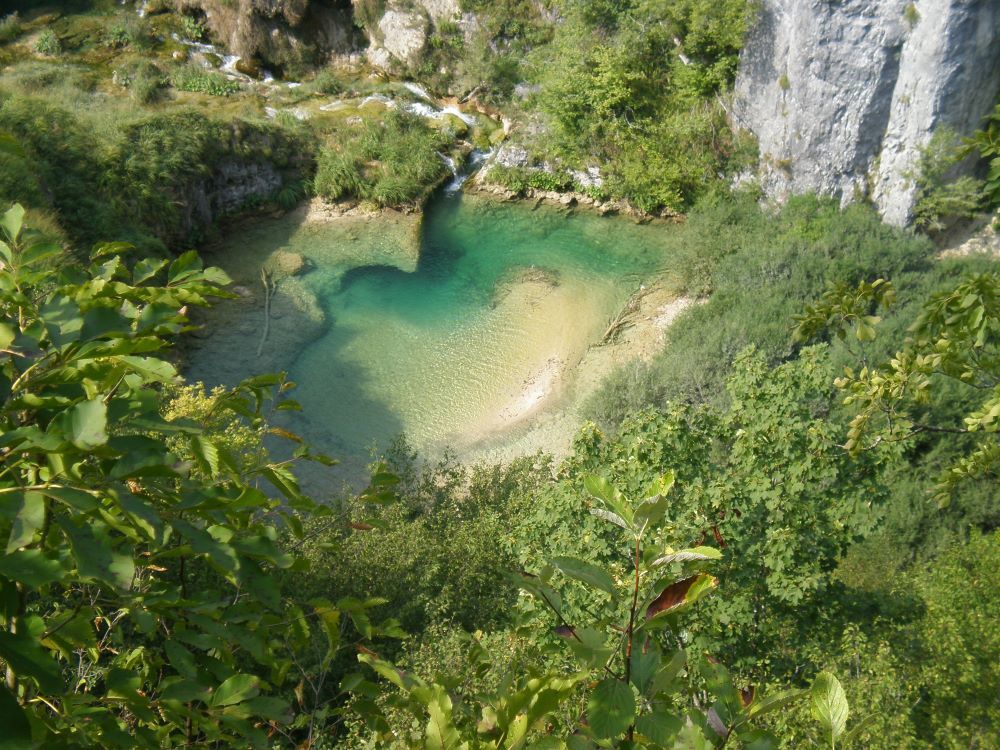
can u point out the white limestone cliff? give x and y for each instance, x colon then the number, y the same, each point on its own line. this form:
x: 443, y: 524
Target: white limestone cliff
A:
x: 843, y: 94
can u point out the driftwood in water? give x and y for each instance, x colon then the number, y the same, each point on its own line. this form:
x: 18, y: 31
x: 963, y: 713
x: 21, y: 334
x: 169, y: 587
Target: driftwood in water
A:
x: 623, y: 319
x: 268, y: 282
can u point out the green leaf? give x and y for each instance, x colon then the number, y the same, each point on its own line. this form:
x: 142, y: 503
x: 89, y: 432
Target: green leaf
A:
x: 773, y: 702
x: 29, y: 519
x: 12, y: 220
x: 586, y: 572
x: 758, y: 739
x: 95, y: 559
x: 146, y: 269
x: 614, y: 518
x: 7, y: 335
x: 661, y: 485
x: 181, y: 659
x: 16, y: 734
x: 600, y: 489
x: 28, y: 659
x: 238, y: 688
x: 659, y: 727
x: 86, y: 424
x: 441, y: 732
x: 664, y: 682
x: 688, y: 555
x: 30, y: 567
x: 206, y: 454
x: 829, y: 704
x: 610, y: 708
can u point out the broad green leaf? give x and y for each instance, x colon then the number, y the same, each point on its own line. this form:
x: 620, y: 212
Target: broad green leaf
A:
x: 645, y: 661
x: 758, y: 739
x: 87, y: 424
x: 610, y: 708
x: 12, y: 221
x: 7, y: 335
x: 586, y: 572
x: 16, y: 732
x: 773, y: 702
x: 441, y: 732
x: 95, y: 559
x: 29, y: 519
x: 661, y: 485
x: 146, y: 269
x: 238, y: 688
x: 659, y: 727
x: 184, y: 691
x: 28, y: 659
x: 665, y: 680
x: 688, y: 555
x: 181, y: 659
x: 31, y: 567
x: 601, y: 489
x: 829, y: 705
x: 614, y: 518
x: 206, y: 454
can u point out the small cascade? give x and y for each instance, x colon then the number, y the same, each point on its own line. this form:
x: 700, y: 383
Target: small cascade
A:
x: 455, y: 177
x: 460, y: 174
x: 418, y: 91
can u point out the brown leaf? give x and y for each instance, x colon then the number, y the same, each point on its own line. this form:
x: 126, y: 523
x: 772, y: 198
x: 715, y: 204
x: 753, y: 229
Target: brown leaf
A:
x: 747, y: 695
x: 366, y: 651
x: 672, y: 596
x: 564, y: 631
x: 285, y: 434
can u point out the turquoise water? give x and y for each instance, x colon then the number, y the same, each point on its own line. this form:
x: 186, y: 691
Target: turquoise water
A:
x: 458, y: 345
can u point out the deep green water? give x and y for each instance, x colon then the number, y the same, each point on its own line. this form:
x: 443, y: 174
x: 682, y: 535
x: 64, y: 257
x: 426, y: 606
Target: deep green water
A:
x: 502, y: 304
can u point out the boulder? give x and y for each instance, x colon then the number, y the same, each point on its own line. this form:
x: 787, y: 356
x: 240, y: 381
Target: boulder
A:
x: 288, y: 263
x: 404, y: 34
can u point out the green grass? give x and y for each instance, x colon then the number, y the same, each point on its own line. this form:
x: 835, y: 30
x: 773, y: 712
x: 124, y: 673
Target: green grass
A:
x: 198, y: 80
x: 391, y: 163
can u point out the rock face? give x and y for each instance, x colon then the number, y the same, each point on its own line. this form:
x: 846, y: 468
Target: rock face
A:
x: 278, y: 32
x: 842, y: 95
x: 401, y: 33
x: 404, y: 34
x: 230, y: 186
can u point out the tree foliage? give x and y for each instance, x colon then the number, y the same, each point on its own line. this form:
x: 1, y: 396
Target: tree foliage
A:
x: 138, y: 606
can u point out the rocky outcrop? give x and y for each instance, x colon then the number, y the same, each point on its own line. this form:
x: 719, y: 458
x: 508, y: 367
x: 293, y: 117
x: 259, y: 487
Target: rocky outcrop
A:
x: 843, y: 95
x: 278, y: 33
x: 232, y: 184
x: 398, y: 39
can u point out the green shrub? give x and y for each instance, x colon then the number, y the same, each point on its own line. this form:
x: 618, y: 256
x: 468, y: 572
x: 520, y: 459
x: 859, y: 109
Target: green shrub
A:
x: 198, y: 80
x: 325, y: 82
x: 391, y: 163
x: 10, y: 27
x: 192, y: 28
x: 942, y: 198
x: 521, y: 179
x: 48, y: 43
x: 759, y: 272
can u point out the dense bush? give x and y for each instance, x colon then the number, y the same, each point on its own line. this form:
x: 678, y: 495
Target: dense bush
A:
x: 636, y: 87
x: 391, y: 162
x: 198, y: 80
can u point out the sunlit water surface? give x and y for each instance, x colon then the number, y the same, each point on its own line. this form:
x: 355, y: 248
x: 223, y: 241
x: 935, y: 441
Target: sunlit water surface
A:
x: 457, y: 335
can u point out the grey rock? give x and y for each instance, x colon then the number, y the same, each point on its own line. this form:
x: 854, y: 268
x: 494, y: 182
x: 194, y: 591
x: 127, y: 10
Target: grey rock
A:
x: 404, y: 34
x: 843, y: 95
